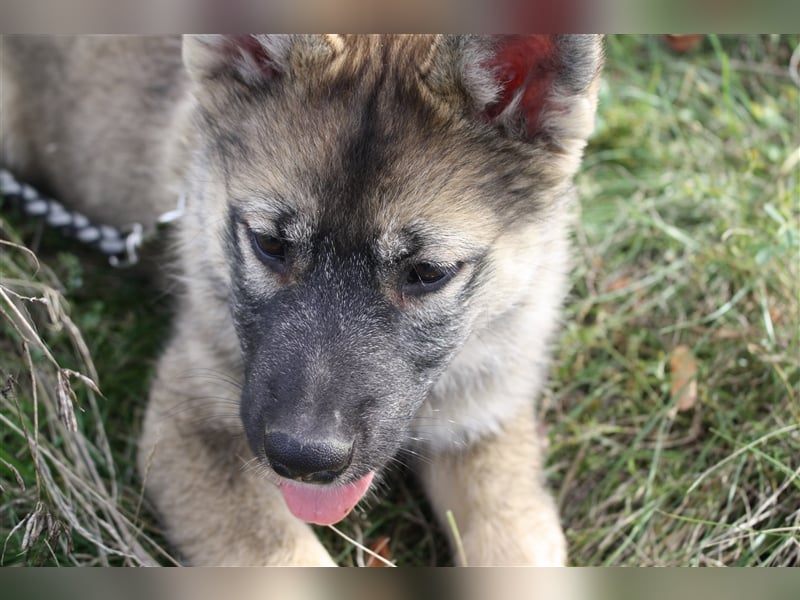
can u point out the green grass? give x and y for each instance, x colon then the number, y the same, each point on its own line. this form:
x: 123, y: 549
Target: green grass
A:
x: 689, y: 236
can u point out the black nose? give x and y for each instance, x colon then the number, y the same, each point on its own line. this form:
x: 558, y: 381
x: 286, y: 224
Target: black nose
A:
x: 312, y: 461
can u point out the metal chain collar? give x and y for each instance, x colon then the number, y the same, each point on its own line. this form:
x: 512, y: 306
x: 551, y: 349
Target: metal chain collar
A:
x: 119, y: 245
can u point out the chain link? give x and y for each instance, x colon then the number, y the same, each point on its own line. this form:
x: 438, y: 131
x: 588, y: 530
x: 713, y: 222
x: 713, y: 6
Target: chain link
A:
x: 119, y: 245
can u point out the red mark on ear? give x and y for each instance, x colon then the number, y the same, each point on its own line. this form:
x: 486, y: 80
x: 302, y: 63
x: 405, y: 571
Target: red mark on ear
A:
x: 249, y: 45
x: 529, y: 63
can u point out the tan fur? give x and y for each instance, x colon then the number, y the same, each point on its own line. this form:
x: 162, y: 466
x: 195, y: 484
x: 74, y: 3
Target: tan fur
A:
x: 61, y: 127
x: 42, y: 145
x: 502, y: 511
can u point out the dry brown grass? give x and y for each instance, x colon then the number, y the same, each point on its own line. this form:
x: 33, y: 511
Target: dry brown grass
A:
x: 76, y: 489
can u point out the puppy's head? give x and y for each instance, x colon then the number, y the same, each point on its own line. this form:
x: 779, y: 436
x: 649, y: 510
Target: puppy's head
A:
x: 355, y: 191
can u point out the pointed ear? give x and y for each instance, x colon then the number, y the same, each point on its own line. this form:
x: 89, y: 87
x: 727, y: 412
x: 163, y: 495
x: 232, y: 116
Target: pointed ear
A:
x: 249, y: 59
x: 534, y: 86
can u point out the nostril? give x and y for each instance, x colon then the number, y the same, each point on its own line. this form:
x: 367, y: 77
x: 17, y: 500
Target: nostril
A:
x: 309, y: 460
x: 322, y: 477
x: 280, y: 469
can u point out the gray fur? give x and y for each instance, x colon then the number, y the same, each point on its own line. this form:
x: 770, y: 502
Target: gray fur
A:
x: 366, y: 157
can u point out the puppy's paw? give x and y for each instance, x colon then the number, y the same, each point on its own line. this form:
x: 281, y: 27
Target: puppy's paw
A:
x: 489, y: 545
x: 310, y: 553
x: 296, y: 555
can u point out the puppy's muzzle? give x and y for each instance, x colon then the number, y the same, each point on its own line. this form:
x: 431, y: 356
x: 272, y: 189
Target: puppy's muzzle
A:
x: 307, y: 460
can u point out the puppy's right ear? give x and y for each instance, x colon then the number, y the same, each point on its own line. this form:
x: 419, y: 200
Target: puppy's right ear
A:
x: 249, y: 59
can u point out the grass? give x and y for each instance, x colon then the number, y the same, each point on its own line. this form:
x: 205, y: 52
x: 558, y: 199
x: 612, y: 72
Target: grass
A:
x: 691, y: 239
x: 82, y: 504
x: 687, y: 268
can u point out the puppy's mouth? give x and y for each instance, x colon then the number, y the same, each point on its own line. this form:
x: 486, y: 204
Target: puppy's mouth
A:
x: 322, y: 504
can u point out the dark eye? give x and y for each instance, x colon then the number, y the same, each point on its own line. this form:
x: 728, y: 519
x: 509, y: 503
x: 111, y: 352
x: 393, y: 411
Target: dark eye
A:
x: 269, y: 248
x: 426, y: 277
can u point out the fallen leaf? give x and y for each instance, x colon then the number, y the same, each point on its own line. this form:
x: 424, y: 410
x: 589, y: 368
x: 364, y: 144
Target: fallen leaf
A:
x: 381, y: 548
x: 683, y: 42
x: 776, y: 314
x: 683, y: 385
x: 619, y: 284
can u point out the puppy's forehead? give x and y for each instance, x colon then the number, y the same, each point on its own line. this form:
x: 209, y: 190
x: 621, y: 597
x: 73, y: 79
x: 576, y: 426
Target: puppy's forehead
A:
x: 365, y: 153
x: 365, y: 57
x: 414, y: 188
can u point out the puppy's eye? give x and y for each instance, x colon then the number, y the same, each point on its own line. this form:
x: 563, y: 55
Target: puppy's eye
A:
x: 269, y: 248
x: 425, y: 273
x: 426, y: 277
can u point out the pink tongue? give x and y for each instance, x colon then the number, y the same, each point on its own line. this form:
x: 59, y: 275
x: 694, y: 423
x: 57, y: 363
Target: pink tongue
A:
x: 324, y: 505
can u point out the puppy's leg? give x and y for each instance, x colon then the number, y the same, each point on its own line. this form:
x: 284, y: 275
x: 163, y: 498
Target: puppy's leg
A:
x: 503, y: 512
x: 192, y: 459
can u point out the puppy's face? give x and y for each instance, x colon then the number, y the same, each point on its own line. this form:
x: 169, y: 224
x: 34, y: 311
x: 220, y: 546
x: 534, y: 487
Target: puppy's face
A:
x: 354, y: 268
x: 359, y: 194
